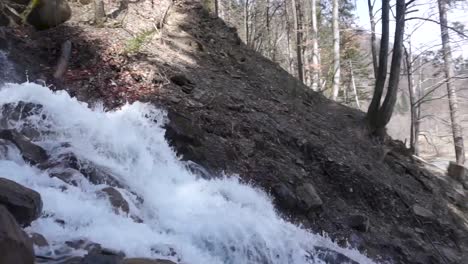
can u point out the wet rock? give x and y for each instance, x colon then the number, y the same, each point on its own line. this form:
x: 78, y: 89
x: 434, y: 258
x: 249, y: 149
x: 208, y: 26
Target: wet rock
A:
x: 23, y: 203
x: 50, y: 13
x: 83, y: 244
x: 116, y: 199
x: 307, y: 197
x: 359, y: 222
x: 181, y: 80
x: 422, y: 212
x: 30, y: 151
x: 330, y: 256
x: 39, y: 240
x: 18, y: 111
x: 284, y: 196
x: 103, y: 256
x: 147, y: 261
x: 15, y: 245
x: 95, y: 173
x: 68, y: 175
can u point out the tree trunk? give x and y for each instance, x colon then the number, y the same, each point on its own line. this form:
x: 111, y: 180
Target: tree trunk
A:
x: 336, y: 52
x: 353, y: 83
x: 374, y: 44
x: 216, y: 6
x: 373, y: 110
x: 452, y: 94
x: 413, y: 99
x: 315, y: 48
x: 297, y: 27
x: 99, y: 13
x: 246, y: 22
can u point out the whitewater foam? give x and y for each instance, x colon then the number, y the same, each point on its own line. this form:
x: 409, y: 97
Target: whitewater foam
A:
x: 203, y: 221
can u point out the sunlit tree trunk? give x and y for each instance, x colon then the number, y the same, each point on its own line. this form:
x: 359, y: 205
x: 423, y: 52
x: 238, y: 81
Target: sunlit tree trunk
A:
x: 457, y: 130
x: 336, y: 52
x: 298, y: 29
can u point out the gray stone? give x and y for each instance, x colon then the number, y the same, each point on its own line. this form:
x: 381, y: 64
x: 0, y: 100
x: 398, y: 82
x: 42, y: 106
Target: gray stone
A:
x: 284, y: 196
x: 23, y: 203
x: 422, y: 212
x: 359, y: 222
x: 307, y: 197
x: 15, y: 245
x: 147, y: 261
x: 39, y: 240
x: 31, y: 152
x: 116, y: 199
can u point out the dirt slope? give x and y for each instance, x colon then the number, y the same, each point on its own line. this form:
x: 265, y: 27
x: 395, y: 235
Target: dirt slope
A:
x: 232, y: 110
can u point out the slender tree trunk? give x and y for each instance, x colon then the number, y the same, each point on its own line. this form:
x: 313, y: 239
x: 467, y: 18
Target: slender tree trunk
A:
x: 452, y: 94
x: 353, y: 83
x: 298, y: 29
x: 413, y: 98
x: 336, y: 52
x: 315, y: 48
x: 246, y: 22
x: 374, y: 44
x: 99, y: 13
x: 216, y: 6
x: 417, y: 124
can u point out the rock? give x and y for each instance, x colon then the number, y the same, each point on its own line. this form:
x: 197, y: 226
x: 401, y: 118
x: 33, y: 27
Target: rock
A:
x: 307, y: 197
x: 147, y: 261
x: 116, y: 199
x: 457, y: 172
x: 50, y: 13
x: 103, y: 256
x: 180, y: 80
x: 39, y: 240
x: 68, y: 175
x: 330, y: 256
x: 30, y: 151
x: 15, y: 245
x: 422, y: 212
x: 284, y: 196
x: 359, y: 222
x: 95, y: 173
x: 13, y: 112
x: 23, y: 203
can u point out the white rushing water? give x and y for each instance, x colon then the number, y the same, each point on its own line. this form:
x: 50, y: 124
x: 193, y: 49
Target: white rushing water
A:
x: 204, y: 221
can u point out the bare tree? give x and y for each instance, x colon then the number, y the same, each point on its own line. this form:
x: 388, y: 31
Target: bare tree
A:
x: 298, y: 28
x: 379, y: 116
x: 336, y: 51
x: 246, y: 22
x: 452, y: 94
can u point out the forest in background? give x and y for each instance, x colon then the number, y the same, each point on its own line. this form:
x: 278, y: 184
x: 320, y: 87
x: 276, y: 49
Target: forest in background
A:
x: 302, y: 37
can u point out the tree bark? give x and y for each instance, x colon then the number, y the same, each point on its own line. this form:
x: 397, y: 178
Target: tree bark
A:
x: 373, y: 110
x: 298, y: 29
x: 246, y: 22
x: 336, y: 52
x: 353, y: 83
x: 216, y: 6
x: 99, y: 13
x: 457, y: 129
x: 413, y: 98
x: 374, y: 44
x: 315, y: 48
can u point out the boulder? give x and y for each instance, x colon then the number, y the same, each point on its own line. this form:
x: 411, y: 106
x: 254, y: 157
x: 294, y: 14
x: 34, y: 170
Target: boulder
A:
x: 23, y: 203
x: 284, y: 196
x: 31, y: 152
x: 359, y: 222
x: 39, y: 240
x: 116, y: 199
x: 307, y: 197
x: 49, y: 13
x: 15, y: 245
x: 103, y: 256
x: 12, y: 112
x: 147, y: 261
x: 423, y: 212
x: 68, y: 175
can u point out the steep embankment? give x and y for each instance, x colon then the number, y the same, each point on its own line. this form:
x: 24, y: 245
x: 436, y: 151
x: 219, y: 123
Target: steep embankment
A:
x: 232, y: 110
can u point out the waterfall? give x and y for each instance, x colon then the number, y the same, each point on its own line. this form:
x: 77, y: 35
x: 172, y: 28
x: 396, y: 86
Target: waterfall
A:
x: 185, y: 218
